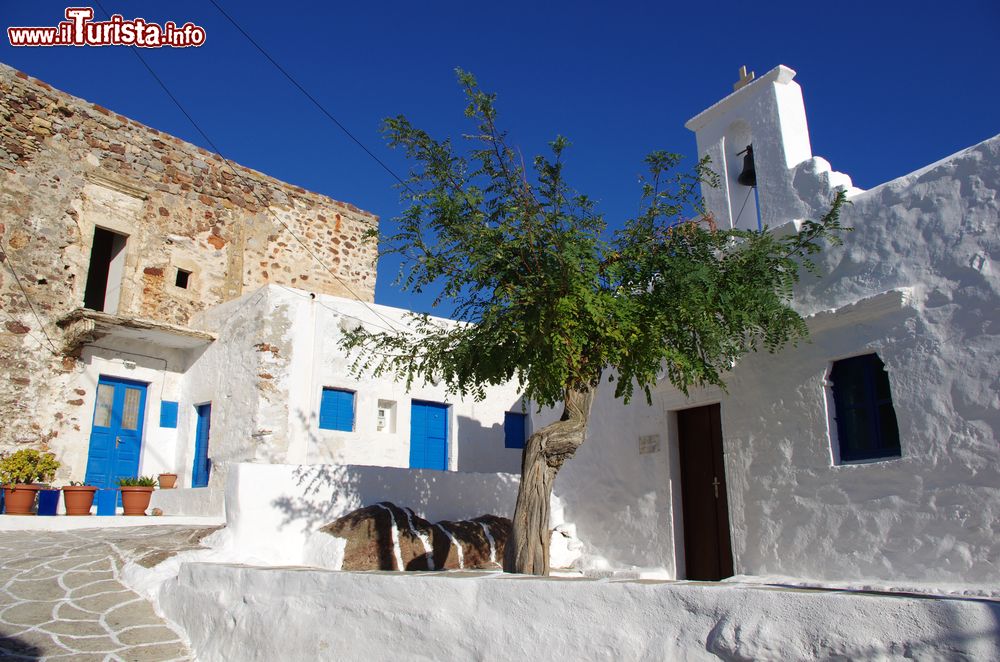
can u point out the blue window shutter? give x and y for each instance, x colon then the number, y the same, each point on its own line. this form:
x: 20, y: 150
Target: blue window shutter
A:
x: 513, y: 430
x: 336, y: 410
x: 865, y: 417
x: 168, y: 414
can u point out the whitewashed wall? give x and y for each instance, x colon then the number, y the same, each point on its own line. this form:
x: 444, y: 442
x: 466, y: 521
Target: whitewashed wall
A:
x: 619, y: 499
x: 160, y: 368
x: 915, y: 282
x: 276, y: 350
x: 476, y: 437
x: 931, y: 515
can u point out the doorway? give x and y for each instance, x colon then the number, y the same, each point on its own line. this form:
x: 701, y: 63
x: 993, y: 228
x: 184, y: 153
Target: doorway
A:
x: 428, y: 435
x: 104, y: 277
x: 707, y: 542
x: 116, y: 434
x: 202, y: 469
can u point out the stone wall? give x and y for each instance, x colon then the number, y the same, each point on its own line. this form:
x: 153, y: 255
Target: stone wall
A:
x: 68, y: 166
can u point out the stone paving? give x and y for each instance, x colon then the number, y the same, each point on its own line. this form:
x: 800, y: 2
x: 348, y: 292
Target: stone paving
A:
x: 61, y: 596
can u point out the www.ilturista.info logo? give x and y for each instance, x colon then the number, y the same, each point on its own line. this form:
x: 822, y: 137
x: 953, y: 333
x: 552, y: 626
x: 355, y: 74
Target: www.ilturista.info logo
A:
x: 79, y: 29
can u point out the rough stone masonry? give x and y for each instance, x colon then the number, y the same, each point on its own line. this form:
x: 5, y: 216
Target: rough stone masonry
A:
x: 68, y: 166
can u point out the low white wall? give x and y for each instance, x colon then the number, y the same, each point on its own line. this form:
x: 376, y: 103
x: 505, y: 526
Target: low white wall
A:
x: 189, y: 502
x: 244, y: 613
x: 272, y: 508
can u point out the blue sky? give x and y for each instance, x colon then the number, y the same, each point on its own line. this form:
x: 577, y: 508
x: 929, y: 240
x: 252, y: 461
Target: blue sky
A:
x: 888, y: 86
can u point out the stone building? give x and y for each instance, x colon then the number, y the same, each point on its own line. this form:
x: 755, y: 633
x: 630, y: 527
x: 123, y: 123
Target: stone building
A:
x: 143, y: 295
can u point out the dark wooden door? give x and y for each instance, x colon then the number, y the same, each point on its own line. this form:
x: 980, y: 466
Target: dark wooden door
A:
x: 707, y: 547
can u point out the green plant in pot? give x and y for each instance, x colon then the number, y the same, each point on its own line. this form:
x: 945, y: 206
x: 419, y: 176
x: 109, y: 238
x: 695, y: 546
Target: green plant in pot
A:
x: 78, y: 497
x: 136, y: 493
x: 20, y: 473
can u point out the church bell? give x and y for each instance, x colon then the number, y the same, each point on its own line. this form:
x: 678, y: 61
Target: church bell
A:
x: 749, y: 175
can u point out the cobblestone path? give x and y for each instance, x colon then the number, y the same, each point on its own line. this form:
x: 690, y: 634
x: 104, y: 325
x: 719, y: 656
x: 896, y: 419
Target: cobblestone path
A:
x: 61, y: 597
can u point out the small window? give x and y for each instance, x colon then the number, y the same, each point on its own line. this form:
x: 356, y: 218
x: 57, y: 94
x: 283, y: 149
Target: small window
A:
x: 182, y: 279
x: 336, y: 410
x: 130, y: 413
x: 514, y: 429
x: 866, y: 420
x: 385, y: 417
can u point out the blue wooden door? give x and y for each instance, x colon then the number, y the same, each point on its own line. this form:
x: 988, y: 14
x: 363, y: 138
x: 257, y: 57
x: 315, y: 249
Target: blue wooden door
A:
x: 428, y: 435
x: 116, y: 435
x: 202, y: 468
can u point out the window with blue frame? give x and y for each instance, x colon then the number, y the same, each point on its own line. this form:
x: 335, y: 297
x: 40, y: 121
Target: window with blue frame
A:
x: 514, y: 430
x: 866, y: 420
x: 336, y: 410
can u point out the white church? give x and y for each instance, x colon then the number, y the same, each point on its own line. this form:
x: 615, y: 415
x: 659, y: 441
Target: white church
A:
x: 868, y: 453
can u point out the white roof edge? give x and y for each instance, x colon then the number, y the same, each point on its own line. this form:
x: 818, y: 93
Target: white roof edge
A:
x: 780, y: 74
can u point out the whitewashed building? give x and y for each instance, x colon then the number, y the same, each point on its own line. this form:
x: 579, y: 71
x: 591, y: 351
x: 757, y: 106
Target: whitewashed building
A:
x: 168, y: 311
x: 870, y: 451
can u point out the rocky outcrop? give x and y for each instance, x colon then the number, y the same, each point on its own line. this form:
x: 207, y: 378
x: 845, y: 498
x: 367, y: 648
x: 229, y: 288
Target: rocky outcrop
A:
x: 387, y: 537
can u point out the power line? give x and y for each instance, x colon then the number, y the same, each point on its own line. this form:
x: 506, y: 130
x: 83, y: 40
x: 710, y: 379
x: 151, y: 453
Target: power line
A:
x: 32, y: 335
x: 243, y: 179
x: 17, y: 279
x: 303, y: 90
x: 334, y: 310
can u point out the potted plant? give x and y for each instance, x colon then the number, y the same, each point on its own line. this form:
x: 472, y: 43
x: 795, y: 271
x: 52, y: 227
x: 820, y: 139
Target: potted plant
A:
x: 78, y: 497
x: 19, y: 471
x: 136, y: 493
x: 167, y: 481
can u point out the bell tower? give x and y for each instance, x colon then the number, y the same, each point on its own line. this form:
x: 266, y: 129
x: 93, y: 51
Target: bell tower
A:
x: 767, y: 116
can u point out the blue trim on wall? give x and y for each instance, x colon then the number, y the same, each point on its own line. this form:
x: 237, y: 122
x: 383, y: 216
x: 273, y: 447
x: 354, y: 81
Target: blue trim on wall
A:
x: 514, y: 429
x: 168, y: 414
x: 336, y: 410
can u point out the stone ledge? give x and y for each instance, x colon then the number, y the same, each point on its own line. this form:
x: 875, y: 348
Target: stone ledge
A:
x: 83, y: 326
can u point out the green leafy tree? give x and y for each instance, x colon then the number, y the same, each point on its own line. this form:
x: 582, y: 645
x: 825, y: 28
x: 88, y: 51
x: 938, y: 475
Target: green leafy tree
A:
x: 551, y: 302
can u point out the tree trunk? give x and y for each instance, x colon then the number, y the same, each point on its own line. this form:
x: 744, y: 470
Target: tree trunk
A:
x: 545, y: 451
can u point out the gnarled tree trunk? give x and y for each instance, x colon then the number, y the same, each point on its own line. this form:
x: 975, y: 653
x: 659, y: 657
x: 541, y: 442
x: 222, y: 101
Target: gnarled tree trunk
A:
x: 545, y: 451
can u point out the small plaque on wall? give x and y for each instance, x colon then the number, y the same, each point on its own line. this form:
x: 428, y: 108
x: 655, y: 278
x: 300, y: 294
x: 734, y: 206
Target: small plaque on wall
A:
x: 649, y: 443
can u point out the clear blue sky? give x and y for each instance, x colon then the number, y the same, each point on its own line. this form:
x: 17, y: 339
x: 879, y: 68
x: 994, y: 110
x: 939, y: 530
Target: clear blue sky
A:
x: 889, y: 86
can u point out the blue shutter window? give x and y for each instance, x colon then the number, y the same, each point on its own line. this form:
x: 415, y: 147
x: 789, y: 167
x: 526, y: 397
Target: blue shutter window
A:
x: 168, y: 414
x: 513, y: 430
x: 336, y: 410
x: 866, y: 420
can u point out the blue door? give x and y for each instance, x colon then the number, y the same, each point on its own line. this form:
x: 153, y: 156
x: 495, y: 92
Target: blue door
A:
x: 202, y: 468
x: 428, y: 435
x: 116, y: 436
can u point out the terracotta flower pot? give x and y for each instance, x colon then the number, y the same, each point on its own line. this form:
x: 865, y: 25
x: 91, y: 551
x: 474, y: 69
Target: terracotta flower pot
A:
x: 78, y: 499
x: 19, y: 499
x: 135, y: 500
x: 167, y: 481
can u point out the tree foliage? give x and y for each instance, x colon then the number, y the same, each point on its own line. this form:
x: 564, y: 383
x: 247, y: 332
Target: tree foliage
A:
x: 548, y: 299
